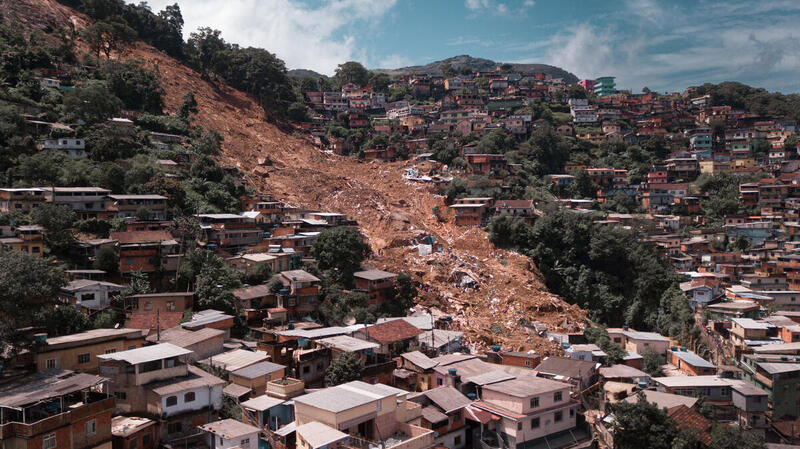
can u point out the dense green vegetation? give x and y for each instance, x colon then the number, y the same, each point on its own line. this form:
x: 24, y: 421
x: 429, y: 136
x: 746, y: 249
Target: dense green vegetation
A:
x: 756, y: 100
x: 606, y: 270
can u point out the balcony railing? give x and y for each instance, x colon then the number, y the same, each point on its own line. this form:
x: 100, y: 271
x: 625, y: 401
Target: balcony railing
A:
x: 28, y: 430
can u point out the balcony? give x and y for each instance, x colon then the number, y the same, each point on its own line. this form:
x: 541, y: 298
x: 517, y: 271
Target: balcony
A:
x: 97, y: 403
x: 406, y: 437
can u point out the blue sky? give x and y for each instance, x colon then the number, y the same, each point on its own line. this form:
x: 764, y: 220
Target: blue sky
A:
x: 664, y: 45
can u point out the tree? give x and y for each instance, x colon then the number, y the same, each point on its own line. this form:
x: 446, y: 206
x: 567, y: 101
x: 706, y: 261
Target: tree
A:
x: 92, y: 102
x: 260, y: 274
x: 30, y: 285
x: 107, y: 37
x: 297, y: 112
x: 188, y: 106
x: 582, y: 186
x: 172, y: 14
x: 642, y: 425
x: 57, y: 222
x: 215, y: 284
x: 106, y: 260
x: 600, y: 337
x: 63, y: 319
x: 790, y: 144
x: 351, y: 72
x: 138, y: 87
x: 652, y: 362
x: 732, y: 437
x: 507, y: 231
x: 341, y: 250
x: 401, y: 297
x: 345, y: 368
x: 207, y: 47
x: 576, y: 91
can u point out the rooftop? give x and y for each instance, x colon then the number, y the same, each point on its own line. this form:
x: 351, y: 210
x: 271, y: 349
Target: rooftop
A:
x: 123, y: 426
x: 45, y: 385
x: 235, y: 360
x: 258, y: 369
x: 147, y: 353
x: 229, y: 428
x: 347, y: 396
x: 347, y: 344
x: 90, y: 337
x: 374, y: 275
x: 523, y: 388
x: 318, y: 435
x: 262, y: 403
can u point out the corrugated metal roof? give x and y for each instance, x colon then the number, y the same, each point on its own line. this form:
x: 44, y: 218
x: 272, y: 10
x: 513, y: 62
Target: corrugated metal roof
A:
x: 147, y: 353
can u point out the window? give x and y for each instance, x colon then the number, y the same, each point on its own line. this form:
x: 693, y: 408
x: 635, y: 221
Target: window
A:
x: 457, y: 440
x: 535, y: 402
x: 91, y: 427
x: 172, y: 400
x: 188, y: 397
x: 121, y: 395
x: 132, y: 444
x: 527, y: 363
x: 49, y: 441
x: 535, y: 423
x: 170, y: 305
x: 145, y: 440
x: 51, y: 363
x: 306, y: 369
x: 558, y: 416
x: 557, y: 396
x: 439, y: 382
x: 131, y: 347
x: 245, y: 443
x: 110, y: 351
x: 174, y: 427
x: 148, y: 305
x: 35, y: 249
x: 519, y: 426
x: 83, y: 359
x: 571, y: 412
x: 378, y: 406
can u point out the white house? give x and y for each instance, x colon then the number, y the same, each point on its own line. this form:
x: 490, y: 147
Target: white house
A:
x: 90, y: 294
x: 73, y: 148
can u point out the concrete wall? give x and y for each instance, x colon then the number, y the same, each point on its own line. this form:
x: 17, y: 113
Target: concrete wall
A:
x: 68, y: 358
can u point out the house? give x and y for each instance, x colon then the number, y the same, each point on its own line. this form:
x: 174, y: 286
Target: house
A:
x: 160, y: 302
x: 87, y: 202
x: 732, y: 399
x: 376, y: 283
x: 315, y: 435
x: 256, y: 376
x: 158, y: 380
x: 93, y: 295
x: 80, y: 351
x: 443, y: 412
x: 300, y: 293
x: 229, y: 231
x: 700, y: 291
x: 518, y: 359
x: 133, y: 432
x: 142, y: 207
x: 229, y: 434
x: 639, y: 342
x: 73, y: 148
x: 56, y: 409
x: 389, y: 335
x: 367, y: 413
x: 204, y: 343
x: 415, y: 372
x: 267, y: 412
x: 579, y: 373
x: 532, y: 411
x: 23, y: 199
x: 145, y: 251
x: 234, y: 360
x: 779, y: 376
x: 692, y: 423
x: 690, y: 363
x: 623, y: 373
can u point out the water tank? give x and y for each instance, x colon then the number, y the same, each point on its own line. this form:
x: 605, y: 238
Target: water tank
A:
x: 452, y: 371
x: 496, y: 348
x: 642, y: 384
x: 625, y: 327
x: 290, y: 326
x: 40, y: 338
x: 302, y: 342
x: 472, y: 396
x: 565, y: 344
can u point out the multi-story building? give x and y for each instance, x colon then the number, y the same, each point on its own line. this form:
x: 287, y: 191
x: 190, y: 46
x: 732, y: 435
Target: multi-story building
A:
x: 443, y: 412
x: 132, y: 206
x: 24, y: 199
x: 80, y: 351
x: 230, y: 231
x: 376, y: 283
x: 604, y: 86
x: 532, y: 411
x: 56, y: 409
x: 158, y: 380
x: 87, y: 202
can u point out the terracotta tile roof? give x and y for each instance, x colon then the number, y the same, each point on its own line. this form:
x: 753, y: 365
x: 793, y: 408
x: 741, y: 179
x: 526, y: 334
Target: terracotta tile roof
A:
x: 689, y: 420
x: 390, y: 331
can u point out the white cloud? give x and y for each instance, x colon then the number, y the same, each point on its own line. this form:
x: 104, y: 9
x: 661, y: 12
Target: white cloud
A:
x: 528, y: 3
x: 474, y: 5
x: 490, y: 6
x: 304, y: 37
x: 394, y: 61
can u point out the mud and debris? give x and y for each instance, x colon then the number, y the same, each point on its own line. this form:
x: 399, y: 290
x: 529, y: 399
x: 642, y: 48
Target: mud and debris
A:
x: 505, y: 302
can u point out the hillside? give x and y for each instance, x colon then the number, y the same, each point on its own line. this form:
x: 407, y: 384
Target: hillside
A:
x: 390, y: 210
x: 304, y: 73
x: 458, y: 62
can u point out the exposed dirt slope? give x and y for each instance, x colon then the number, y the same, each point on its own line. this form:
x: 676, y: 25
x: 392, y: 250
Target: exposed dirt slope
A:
x: 390, y: 210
